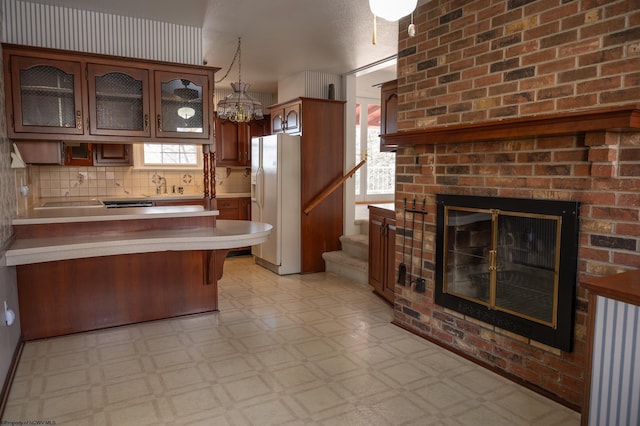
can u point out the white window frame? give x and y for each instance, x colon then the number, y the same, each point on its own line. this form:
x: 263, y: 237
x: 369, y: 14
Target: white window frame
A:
x: 363, y: 197
x: 138, y: 159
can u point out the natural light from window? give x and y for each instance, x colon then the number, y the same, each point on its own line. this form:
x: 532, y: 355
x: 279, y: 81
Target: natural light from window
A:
x: 182, y: 156
x: 376, y: 180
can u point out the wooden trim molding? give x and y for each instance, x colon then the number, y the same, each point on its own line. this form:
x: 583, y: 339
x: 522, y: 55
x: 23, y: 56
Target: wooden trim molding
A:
x: 624, y: 287
x: 11, y: 373
x: 620, y: 118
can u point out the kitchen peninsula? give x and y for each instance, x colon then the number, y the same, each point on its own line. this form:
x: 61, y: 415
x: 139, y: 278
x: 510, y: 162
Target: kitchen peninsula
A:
x: 85, y: 268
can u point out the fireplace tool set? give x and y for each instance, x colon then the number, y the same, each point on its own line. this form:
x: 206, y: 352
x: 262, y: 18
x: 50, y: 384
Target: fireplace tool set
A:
x: 419, y: 281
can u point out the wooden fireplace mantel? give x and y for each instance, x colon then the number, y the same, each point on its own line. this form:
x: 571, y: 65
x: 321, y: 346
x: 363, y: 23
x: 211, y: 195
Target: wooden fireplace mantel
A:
x: 619, y: 118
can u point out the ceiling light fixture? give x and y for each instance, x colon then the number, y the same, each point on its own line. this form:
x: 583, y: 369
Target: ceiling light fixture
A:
x: 186, y: 112
x: 239, y: 106
x: 392, y: 10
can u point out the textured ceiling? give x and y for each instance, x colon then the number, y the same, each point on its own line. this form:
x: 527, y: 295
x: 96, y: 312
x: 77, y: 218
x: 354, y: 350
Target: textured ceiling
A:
x: 280, y: 38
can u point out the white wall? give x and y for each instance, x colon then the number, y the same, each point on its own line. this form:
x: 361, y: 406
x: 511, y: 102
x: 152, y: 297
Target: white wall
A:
x: 33, y: 24
x: 309, y: 84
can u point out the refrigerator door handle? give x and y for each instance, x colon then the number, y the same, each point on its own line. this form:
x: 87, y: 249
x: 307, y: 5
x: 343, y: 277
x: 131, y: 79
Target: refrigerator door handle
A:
x: 259, y: 187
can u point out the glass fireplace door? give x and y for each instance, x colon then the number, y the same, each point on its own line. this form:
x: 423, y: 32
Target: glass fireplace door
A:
x: 503, y: 260
x: 510, y: 263
x: 526, y: 266
x: 468, y: 242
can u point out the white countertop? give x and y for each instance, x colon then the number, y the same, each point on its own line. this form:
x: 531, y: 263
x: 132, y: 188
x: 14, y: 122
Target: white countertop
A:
x: 101, y: 213
x: 234, y: 195
x: 173, y: 197
x: 227, y: 234
x: 154, y: 197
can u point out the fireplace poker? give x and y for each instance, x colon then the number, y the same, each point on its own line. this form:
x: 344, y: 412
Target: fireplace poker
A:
x: 402, y: 269
x: 420, y: 282
x: 413, y: 226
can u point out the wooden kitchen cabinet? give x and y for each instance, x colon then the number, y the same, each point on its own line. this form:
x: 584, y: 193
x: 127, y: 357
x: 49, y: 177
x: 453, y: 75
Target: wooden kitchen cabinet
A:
x: 235, y: 209
x: 118, y: 100
x: 44, y: 96
x: 230, y: 148
x: 259, y: 128
x: 78, y: 154
x: 286, y: 118
x: 388, y: 112
x: 382, y: 244
x: 56, y: 95
x: 179, y: 202
x: 181, y: 105
x: 35, y: 152
x: 88, y: 154
x: 233, y: 140
x: 320, y: 124
x: 112, y: 155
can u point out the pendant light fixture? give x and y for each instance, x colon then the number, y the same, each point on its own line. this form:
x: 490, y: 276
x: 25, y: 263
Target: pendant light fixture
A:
x: 239, y: 106
x: 392, y: 10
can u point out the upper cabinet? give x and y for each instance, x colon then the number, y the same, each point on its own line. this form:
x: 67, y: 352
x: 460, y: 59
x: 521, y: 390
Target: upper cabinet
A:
x: 182, y: 105
x: 388, y: 112
x: 286, y: 118
x: 46, y: 94
x: 233, y: 140
x: 118, y: 100
x: 61, y: 95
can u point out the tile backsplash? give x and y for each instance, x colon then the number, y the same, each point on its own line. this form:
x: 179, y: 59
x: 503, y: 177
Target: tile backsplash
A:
x: 64, y: 181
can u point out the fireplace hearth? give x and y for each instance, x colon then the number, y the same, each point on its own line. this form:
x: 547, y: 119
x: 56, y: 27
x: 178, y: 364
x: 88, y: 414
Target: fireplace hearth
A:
x: 510, y: 263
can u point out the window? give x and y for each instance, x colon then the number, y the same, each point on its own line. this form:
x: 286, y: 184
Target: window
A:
x: 170, y: 156
x: 375, y: 181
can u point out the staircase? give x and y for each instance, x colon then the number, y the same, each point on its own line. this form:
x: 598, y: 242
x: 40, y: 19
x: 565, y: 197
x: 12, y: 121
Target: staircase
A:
x: 353, y: 260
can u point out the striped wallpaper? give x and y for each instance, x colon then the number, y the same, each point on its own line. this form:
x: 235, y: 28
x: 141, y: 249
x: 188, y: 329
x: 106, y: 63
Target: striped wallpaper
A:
x: 615, y: 376
x: 58, y: 27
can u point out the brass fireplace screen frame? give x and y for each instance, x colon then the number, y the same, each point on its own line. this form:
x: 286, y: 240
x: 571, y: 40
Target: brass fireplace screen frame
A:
x: 509, y: 262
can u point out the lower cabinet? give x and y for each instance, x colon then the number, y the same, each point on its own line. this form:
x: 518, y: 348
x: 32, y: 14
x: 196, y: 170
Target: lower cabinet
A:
x: 235, y: 209
x: 382, y: 244
x: 179, y: 202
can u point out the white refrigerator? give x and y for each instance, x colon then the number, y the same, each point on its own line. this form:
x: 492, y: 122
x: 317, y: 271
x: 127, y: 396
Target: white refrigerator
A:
x: 275, y: 199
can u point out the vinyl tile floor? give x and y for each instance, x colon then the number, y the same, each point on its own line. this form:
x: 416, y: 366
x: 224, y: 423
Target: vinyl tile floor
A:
x: 310, y: 349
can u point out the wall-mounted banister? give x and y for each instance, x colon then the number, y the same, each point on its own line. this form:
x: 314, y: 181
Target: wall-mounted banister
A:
x: 324, y: 194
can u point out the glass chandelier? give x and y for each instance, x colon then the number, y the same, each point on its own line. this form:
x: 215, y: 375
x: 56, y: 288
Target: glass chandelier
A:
x: 239, y: 106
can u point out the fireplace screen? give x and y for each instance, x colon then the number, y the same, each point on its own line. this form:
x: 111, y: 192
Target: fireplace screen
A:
x: 509, y: 262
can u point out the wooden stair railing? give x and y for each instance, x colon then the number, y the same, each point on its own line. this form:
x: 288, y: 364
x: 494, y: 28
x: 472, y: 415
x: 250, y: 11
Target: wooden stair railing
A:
x: 324, y: 194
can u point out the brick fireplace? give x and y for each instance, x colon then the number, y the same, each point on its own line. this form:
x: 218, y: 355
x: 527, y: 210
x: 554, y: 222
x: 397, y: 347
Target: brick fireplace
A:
x: 521, y: 99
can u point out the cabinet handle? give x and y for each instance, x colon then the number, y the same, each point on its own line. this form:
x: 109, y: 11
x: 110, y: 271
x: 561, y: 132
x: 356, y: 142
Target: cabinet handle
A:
x: 146, y: 122
x: 78, y: 120
x: 159, y: 123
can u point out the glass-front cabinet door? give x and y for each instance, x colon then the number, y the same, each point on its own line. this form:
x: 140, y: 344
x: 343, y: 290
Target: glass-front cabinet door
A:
x: 47, y: 96
x: 181, y: 107
x: 118, y: 100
